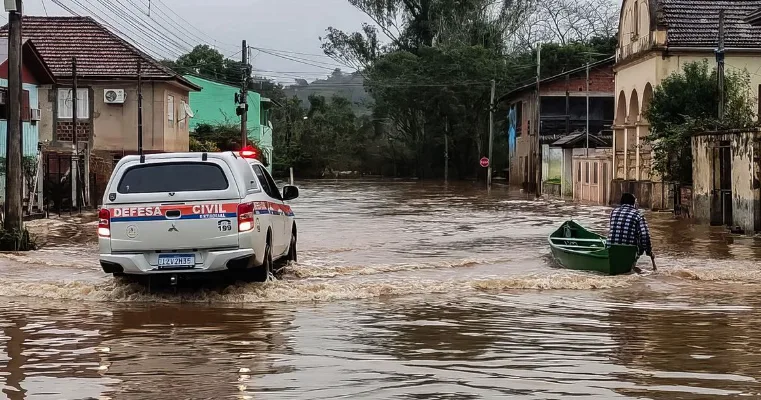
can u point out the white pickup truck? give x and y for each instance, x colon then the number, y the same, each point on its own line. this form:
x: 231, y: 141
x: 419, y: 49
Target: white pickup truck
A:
x: 181, y: 213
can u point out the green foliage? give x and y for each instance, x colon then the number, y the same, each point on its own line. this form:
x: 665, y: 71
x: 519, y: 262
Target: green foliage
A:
x: 434, y: 75
x: 687, y: 102
x: 207, y: 62
x: 327, y: 137
x: 220, y: 137
x: 17, y: 240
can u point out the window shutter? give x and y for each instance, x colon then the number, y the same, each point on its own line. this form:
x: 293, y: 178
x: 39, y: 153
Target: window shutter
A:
x: 64, y: 103
x: 26, y: 114
x: 83, y: 103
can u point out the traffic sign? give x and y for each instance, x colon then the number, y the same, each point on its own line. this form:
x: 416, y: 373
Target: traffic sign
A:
x: 485, y: 162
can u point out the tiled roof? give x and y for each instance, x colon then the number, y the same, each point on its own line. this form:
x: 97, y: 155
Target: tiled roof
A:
x: 695, y: 23
x: 100, y: 53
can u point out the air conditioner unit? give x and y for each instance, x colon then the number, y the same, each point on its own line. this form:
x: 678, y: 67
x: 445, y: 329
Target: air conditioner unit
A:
x: 114, y: 96
x: 36, y: 114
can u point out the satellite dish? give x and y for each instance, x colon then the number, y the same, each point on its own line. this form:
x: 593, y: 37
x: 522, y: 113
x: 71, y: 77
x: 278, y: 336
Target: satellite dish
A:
x: 188, y: 111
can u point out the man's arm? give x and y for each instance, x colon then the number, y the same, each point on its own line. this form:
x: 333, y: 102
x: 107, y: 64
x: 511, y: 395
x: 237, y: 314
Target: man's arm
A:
x: 644, y: 236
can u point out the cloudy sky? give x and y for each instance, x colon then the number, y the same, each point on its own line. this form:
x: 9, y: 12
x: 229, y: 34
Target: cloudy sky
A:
x: 287, y: 31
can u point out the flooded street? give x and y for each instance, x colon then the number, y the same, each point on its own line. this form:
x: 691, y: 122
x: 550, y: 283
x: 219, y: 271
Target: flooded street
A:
x: 403, y: 291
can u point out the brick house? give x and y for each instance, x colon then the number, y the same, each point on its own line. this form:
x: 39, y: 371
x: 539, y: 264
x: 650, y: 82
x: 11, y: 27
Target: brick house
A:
x: 107, y: 75
x: 563, y: 113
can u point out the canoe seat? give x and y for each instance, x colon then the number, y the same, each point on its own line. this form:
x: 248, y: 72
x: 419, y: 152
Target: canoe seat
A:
x: 581, y: 247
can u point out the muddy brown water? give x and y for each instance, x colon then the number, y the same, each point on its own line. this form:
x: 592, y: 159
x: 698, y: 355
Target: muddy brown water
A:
x: 403, y: 291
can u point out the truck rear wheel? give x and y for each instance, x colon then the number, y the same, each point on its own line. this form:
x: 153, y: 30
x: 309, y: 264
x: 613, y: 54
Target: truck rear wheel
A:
x: 262, y: 272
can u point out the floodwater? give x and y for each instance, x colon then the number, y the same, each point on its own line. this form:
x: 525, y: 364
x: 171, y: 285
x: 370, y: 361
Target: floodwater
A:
x: 403, y: 291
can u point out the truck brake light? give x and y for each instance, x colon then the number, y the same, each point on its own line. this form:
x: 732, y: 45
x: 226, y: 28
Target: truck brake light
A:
x: 245, y: 217
x: 104, y: 223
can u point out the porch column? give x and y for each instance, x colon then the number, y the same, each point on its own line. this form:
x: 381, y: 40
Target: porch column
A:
x: 638, y: 160
x: 626, y: 153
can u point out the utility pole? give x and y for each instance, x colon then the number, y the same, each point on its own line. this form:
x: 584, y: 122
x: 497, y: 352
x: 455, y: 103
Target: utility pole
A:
x: 720, y: 67
x: 446, y: 149
x: 491, y: 133
x: 13, y: 168
x: 140, y: 111
x: 587, y: 133
x: 567, y: 104
x: 244, y: 98
x: 537, y: 143
x: 75, y: 187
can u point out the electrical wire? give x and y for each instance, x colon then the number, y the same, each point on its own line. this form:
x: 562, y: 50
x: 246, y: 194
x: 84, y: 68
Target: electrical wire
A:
x: 299, y: 60
x: 158, y: 48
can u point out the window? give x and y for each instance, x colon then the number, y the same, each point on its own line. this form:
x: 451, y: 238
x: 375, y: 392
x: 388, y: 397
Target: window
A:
x: 268, y: 184
x: 594, y: 173
x: 66, y: 101
x: 578, y: 172
x: 173, y: 177
x: 170, y: 110
x: 183, y: 120
x: 586, y: 172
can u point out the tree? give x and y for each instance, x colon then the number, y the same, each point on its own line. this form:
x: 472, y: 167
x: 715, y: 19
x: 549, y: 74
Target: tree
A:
x: 435, y: 72
x: 207, y: 62
x: 565, y: 22
x: 687, y: 102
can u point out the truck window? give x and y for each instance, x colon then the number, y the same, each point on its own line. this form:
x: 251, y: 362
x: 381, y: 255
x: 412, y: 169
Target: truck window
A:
x: 268, y: 184
x: 173, y: 177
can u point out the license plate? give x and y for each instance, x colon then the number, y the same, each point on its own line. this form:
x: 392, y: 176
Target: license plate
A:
x: 177, y: 261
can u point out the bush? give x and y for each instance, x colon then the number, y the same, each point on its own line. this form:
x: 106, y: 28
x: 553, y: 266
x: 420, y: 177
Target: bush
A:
x: 17, y: 240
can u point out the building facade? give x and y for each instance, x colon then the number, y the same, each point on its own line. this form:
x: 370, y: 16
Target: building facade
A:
x: 106, y: 125
x: 656, y: 39
x: 563, y: 112
x: 34, y: 73
x: 726, y: 171
x: 215, y: 104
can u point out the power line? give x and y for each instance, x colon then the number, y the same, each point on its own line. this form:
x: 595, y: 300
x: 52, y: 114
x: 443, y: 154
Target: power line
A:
x: 168, y: 33
x: 296, y: 60
x: 189, y: 24
x: 44, y: 7
x: 140, y: 24
x: 156, y: 45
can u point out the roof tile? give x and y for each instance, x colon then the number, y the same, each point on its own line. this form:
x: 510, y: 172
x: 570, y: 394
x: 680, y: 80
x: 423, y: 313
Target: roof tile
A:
x: 100, y: 53
x: 695, y: 23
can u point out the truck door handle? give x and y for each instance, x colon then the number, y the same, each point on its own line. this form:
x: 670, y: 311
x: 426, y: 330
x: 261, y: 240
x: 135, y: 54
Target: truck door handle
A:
x: 173, y: 214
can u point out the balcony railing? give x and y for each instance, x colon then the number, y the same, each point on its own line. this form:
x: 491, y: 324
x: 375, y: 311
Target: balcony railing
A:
x: 642, y: 43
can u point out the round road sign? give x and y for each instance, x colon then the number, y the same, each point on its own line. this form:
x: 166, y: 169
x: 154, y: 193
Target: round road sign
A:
x: 485, y: 162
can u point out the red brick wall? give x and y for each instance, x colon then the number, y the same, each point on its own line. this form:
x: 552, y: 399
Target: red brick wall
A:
x: 600, y: 80
x: 65, y: 131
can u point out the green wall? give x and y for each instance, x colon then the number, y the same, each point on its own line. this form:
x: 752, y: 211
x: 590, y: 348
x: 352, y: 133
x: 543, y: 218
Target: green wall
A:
x: 215, y: 104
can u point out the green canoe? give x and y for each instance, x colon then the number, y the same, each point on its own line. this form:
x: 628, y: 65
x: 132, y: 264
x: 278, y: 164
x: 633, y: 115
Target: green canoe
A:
x: 574, y: 247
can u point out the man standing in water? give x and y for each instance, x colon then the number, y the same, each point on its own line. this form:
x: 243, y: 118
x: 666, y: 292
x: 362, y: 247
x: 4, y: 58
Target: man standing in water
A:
x: 628, y: 226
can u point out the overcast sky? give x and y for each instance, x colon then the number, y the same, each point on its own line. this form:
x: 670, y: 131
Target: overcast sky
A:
x: 285, y: 26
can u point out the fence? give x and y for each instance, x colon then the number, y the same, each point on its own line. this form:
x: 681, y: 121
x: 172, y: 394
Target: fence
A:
x: 60, y: 189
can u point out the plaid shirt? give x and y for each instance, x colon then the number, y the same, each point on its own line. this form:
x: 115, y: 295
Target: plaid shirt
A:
x: 628, y: 226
